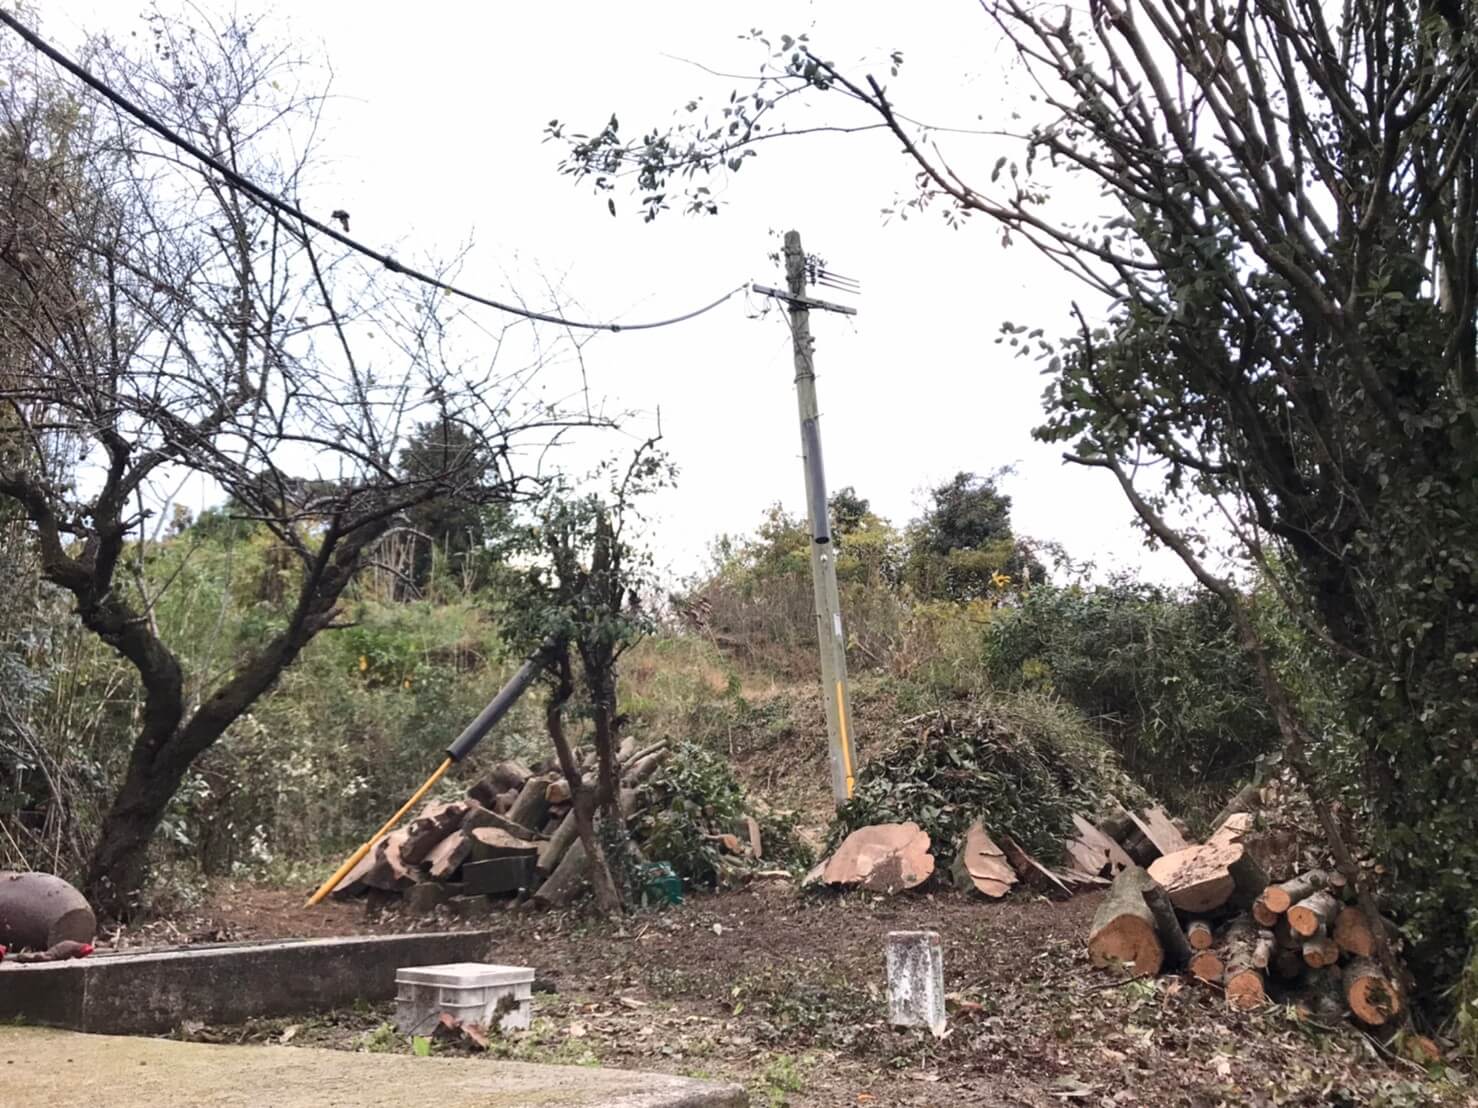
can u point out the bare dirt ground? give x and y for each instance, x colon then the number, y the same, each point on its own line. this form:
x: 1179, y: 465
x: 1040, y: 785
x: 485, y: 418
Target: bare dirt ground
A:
x: 784, y: 993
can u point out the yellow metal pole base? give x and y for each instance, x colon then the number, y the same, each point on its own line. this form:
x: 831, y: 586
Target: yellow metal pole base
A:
x: 355, y: 858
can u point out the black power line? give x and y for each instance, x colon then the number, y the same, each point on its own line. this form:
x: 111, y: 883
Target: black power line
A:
x: 272, y: 201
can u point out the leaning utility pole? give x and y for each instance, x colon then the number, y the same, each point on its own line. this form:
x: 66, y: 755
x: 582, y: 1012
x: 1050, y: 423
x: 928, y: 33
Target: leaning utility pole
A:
x: 823, y: 563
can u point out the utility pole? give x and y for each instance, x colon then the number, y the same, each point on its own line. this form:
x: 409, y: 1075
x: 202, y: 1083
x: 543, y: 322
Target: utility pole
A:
x: 829, y: 632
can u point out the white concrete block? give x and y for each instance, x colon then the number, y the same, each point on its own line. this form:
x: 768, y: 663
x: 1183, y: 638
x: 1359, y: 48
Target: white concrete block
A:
x: 916, y: 980
x: 499, y: 998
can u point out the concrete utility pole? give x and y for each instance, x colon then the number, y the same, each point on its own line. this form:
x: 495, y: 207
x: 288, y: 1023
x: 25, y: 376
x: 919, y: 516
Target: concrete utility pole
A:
x: 823, y: 562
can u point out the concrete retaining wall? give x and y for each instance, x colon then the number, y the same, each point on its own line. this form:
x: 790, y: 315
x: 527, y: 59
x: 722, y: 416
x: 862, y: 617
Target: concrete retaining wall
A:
x: 143, y: 994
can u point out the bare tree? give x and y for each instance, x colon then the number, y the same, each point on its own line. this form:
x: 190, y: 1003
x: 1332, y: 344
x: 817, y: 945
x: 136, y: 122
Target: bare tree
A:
x: 163, y: 327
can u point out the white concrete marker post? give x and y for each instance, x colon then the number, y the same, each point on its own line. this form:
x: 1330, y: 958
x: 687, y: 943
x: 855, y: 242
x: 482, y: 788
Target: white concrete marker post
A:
x: 916, y: 980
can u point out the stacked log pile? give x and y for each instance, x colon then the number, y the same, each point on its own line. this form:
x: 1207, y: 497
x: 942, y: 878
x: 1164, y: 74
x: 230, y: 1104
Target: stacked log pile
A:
x: 512, y: 836
x: 1210, y: 910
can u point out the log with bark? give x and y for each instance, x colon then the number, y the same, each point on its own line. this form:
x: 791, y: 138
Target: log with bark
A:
x: 552, y: 851
x: 390, y: 873
x: 532, y: 804
x: 756, y: 840
x: 1321, y: 951
x: 1313, y: 915
x: 1285, y: 938
x: 1029, y: 869
x: 39, y: 910
x: 1135, y: 926
x: 1353, y: 933
x: 353, y: 883
x: 1248, y: 951
x: 509, y: 775
x: 1370, y: 994
x: 447, y: 856
x: 569, y: 880
x: 478, y: 816
x: 644, y: 765
x: 1263, y: 915
x: 434, y: 823
x: 494, y: 842
x: 1324, y: 995
x: 1278, y: 898
x: 1199, y: 934
x: 1121, y: 827
x: 1245, y: 800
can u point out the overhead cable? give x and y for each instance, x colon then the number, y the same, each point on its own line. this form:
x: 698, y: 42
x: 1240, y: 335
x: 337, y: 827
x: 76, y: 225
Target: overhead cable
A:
x: 272, y: 201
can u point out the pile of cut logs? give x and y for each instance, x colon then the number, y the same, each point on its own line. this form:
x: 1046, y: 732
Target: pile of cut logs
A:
x: 1210, y: 909
x: 512, y: 835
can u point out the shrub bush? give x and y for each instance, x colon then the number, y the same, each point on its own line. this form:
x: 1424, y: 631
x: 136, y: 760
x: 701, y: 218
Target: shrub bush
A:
x: 691, y: 797
x: 1159, y: 670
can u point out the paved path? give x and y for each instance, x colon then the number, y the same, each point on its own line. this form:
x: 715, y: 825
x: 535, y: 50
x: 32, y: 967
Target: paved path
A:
x: 64, y: 1069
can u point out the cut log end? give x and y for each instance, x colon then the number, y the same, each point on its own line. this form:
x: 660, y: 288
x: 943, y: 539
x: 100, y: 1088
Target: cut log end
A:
x: 1245, y: 990
x: 1198, y: 933
x: 1129, y: 942
x: 1370, y: 994
x: 1313, y: 915
x: 1275, y: 900
x: 1135, y: 926
x: 1206, y: 965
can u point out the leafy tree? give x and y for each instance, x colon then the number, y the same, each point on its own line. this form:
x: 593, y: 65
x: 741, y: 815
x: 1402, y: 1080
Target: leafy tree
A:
x: 963, y: 547
x: 1287, y: 259
x: 581, y: 598
x: 848, y: 510
x: 163, y: 324
x: 456, y: 528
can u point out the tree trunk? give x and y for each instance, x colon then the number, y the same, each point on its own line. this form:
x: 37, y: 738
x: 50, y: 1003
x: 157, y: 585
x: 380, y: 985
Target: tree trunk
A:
x: 607, y: 898
x: 120, y: 861
x: 608, y: 770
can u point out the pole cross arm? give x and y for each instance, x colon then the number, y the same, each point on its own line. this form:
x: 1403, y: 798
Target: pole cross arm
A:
x: 803, y: 301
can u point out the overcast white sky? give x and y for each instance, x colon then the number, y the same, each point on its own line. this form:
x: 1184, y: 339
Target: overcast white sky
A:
x: 436, y: 134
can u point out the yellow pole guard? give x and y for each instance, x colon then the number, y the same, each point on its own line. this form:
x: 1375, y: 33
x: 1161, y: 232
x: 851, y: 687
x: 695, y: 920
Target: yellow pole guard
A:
x: 354, y: 859
x: 846, y: 740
